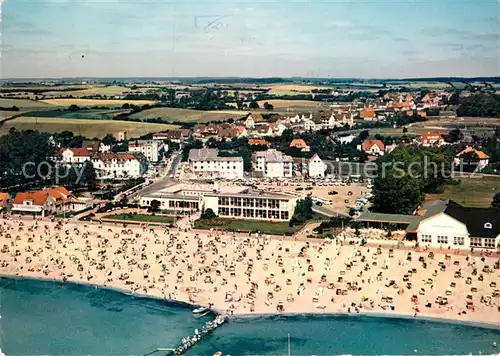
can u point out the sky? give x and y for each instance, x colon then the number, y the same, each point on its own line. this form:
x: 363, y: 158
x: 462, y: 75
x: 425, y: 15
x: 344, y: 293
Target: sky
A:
x: 338, y: 39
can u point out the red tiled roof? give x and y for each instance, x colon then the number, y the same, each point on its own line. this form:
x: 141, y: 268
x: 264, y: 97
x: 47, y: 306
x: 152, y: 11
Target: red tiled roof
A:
x: 3, y: 198
x: 367, y: 113
x: 256, y: 141
x: 298, y: 143
x: 479, y: 154
x: 39, y: 198
x: 368, y: 144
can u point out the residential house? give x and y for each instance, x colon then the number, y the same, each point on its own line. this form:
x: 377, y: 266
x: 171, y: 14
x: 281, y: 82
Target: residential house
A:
x: 119, y: 165
x: 273, y: 164
x: 368, y: 113
x: 299, y: 144
x: 430, y: 139
x: 40, y: 202
x: 252, y: 120
x: 4, y: 198
x: 258, y: 142
x: 170, y: 135
x: 316, y: 167
x: 73, y: 155
x: 476, y: 158
x: 207, y: 161
x: 121, y: 135
x: 149, y: 148
x: 345, y: 139
x: 372, y: 147
x: 66, y: 201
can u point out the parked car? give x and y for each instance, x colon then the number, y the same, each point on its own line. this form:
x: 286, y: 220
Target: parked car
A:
x: 299, y: 188
x: 308, y: 188
x: 318, y: 203
x: 333, y: 192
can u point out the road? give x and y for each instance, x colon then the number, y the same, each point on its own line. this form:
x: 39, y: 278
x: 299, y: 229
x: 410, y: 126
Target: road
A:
x: 164, y: 180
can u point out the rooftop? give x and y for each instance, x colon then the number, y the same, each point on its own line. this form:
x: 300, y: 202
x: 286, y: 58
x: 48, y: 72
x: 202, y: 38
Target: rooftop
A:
x: 273, y: 155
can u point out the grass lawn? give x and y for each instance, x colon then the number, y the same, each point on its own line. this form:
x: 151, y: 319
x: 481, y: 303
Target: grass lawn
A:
x: 188, y: 115
x: 87, y: 128
x: 280, y: 228
x: 141, y: 218
x: 473, y: 192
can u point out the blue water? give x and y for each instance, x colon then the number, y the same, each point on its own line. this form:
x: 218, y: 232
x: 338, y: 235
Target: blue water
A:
x: 67, y: 319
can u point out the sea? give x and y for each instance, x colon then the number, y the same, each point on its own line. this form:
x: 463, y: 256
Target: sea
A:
x: 53, y: 318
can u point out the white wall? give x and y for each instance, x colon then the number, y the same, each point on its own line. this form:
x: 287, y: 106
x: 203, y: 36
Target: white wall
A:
x: 442, y: 225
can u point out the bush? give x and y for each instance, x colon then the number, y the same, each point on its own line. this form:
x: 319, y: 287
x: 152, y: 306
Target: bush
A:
x: 208, y: 214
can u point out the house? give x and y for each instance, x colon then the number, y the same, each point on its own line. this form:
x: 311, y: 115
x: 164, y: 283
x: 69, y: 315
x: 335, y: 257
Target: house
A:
x: 430, y: 139
x: 258, y: 142
x: 273, y: 164
x: 253, y: 119
x: 368, y: 113
x: 171, y: 135
x: 316, y: 167
x: 95, y: 146
x: 471, y: 156
x: 149, y: 148
x: 40, y: 202
x: 4, y: 198
x: 73, y: 155
x: 240, y: 130
x: 121, y: 135
x: 345, y: 139
x: 207, y: 161
x: 372, y: 147
x: 299, y: 144
x: 119, y: 165
x: 459, y: 226
x: 66, y: 201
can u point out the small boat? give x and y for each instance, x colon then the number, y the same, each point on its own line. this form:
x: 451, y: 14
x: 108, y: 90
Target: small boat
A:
x: 200, y: 310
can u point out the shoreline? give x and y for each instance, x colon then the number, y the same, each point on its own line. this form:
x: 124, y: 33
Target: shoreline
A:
x: 255, y: 275
x: 247, y: 316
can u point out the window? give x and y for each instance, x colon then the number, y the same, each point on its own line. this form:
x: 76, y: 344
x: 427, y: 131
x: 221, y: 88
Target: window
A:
x: 442, y: 239
x: 458, y: 240
x: 488, y: 225
x: 489, y: 243
x: 426, y: 238
x: 475, y: 242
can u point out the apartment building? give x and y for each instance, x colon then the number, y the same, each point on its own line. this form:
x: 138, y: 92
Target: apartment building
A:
x: 207, y: 161
x: 149, y: 148
x: 273, y: 164
x: 316, y: 167
x: 120, y: 165
x: 73, y: 155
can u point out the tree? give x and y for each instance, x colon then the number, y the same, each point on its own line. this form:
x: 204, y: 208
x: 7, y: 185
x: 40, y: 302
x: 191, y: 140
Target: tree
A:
x: 405, y: 131
x: 363, y: 135
x: 208, y: 214
x: 126, y: 106
x: 73, y: 107
x: 495, y: 202
x: 155, y: 205
x: 303, y: 209
x: 268, y: 106
x: 454, y: 136
x: 253, y: 105
x: 109, y: 140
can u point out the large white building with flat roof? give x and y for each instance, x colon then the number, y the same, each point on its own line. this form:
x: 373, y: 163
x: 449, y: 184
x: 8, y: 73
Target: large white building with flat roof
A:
x: 273, y: 164
x: 238, y: 202
x: 208, y: 161
x: 149, y: 148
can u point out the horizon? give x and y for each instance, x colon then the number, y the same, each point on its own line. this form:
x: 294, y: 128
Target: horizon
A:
x: 70, y: 39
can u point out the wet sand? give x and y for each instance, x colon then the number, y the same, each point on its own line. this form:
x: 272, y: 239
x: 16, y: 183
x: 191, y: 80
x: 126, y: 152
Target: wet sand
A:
x: 242, y: 274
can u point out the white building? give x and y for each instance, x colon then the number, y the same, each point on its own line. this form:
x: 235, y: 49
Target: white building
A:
x: 208, y: 161
x: 459, y: 226
x: 316, y: 167
x: 238, y: 202
x: 121, y: 165
x: 273, y: 164
x: 40, y: 202
x: 73, y: 155
x: 478, y: 158
x: 149, y: 148
x: 346, y: 139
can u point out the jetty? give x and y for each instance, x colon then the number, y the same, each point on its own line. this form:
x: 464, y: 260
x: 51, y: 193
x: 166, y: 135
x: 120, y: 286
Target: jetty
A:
x: 189, y: 341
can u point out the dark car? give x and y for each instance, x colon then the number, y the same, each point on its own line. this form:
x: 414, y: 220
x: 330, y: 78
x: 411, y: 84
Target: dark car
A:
x: 333, y: 192
x: 308, y: 188
x: 318, y: 203
x: 299, y: 188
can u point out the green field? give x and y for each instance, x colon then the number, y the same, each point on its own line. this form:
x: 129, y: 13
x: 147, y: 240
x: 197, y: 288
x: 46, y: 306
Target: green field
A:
x: 87, y: 128
x: 141, y: 218
x: 264, y: 227
x: 473, y: 192
x: 187, y: 115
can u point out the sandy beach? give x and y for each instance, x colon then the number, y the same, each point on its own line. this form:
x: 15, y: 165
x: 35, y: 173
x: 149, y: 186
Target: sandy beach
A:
x: 242, y: 274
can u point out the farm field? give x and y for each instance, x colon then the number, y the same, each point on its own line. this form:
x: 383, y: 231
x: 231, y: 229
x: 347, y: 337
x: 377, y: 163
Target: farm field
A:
x: 292, y: 105
x: 23, y: 105
x: 291, y: 89
x: 95, y: 102
x: 187, y: 115
x: 473, y: 192
x: 87, y: 128
x: 81, y: 114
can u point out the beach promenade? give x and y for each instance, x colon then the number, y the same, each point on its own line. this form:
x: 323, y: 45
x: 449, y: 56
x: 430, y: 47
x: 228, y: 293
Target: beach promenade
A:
x: 242, y: 274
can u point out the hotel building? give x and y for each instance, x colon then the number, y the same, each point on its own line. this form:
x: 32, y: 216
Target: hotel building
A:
x: 273, y: 164
x: 207, y: 161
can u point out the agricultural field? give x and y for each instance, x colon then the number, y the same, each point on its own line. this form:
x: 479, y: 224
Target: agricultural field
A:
x: 291, y: 89
x: 98, y: 114
x: 187, y: 115
x: 473, y: 192
x: 94, y: 102
x: 294, y: 105
x: 23, y: 105
x: 87, y: 128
